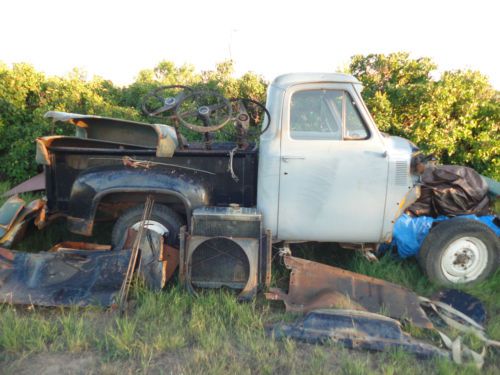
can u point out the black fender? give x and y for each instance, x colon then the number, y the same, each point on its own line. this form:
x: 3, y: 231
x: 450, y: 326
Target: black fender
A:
x: 192, y: 187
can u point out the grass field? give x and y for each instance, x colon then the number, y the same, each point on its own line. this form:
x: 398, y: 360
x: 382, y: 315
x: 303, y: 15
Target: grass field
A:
x: 172, y: 332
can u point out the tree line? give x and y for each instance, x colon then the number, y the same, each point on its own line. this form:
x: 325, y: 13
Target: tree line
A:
x: 455, y: 117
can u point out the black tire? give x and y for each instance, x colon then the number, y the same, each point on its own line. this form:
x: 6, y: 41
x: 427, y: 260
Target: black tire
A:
x: 162, y: 214
x: 437, y: 245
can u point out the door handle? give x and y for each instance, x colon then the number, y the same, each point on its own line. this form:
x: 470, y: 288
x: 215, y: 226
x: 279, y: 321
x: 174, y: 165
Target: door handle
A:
x: 377, y: 153
x: 291, y: 157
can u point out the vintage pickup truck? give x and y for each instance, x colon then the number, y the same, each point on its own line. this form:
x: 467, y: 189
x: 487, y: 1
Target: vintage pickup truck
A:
x: 320, y: 171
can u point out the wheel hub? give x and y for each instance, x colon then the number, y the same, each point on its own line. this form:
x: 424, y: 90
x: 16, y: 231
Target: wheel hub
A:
x: 204, y: 110
x: 464, y: 259
x: 170, y: 101
x: 153, y: 225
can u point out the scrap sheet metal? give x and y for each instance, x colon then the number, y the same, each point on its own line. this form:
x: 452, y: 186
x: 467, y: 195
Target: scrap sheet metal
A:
x: 107, y: 129
x: 314, y: 286
x: 355, y: 330
x: 15, y: 215
x: 36, y: 183
x: 80, y: 274
x: 68, y: 277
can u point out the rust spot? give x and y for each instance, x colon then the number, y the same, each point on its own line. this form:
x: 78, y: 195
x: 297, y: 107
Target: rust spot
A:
x: 71, y: 245
x: 170, y: 259
x: 6, y: 254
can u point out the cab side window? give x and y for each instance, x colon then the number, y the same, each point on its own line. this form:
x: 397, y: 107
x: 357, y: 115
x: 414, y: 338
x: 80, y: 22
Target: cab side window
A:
x: 354, y: 126
x: 313, y: 115
x: 325, y: 115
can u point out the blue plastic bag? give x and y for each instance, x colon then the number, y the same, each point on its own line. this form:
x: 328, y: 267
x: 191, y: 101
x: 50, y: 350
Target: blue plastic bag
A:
x: 409, y: 232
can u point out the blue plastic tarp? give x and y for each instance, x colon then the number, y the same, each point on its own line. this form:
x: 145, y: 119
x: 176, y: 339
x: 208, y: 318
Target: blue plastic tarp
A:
x: 409, y: 232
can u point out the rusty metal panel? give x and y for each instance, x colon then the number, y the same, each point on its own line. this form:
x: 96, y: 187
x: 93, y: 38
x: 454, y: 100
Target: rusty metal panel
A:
x: 75, y: 273
x: 73, y: 245
x: 355, y: 330
x: 9, y: 212
x: 265, y: 258
x: 159, y: 136
x: 170, y: 262
x: 71, y: 277
x: 35, y: 183
x: 183, y: 243
x: 15, y: 216
x: 314, y: 285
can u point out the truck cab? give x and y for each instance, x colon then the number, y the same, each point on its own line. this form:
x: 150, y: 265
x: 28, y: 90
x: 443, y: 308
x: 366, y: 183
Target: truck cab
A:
x: 326, y: 173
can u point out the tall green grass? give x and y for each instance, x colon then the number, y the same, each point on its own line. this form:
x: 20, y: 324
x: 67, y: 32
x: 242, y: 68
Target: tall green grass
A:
x: 174, y: 332
x: 210, y: 334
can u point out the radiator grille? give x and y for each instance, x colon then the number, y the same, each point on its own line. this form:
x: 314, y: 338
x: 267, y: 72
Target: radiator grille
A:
x: 219, y: 262
x: 401, y: 173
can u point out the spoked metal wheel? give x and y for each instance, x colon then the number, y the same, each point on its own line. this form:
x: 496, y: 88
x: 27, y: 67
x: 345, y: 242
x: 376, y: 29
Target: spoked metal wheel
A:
x: 204, y: 111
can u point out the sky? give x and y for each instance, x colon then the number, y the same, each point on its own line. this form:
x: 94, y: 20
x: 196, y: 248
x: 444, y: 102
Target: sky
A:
x: 116, y: 39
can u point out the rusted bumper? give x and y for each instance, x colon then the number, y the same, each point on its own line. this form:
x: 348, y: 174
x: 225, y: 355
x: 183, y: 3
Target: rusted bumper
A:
x: 314, y: 286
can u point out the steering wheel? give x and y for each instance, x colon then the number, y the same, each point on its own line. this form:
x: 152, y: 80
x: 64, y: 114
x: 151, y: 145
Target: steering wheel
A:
x: 163, y: 99
x: 251, y: 119
x: 251, y: 116
x: 204, y: 111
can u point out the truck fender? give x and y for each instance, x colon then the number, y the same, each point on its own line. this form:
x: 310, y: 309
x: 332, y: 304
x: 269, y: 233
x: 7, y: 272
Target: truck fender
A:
x: 192, y: 187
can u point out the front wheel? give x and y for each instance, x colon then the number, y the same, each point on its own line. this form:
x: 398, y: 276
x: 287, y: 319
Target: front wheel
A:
x: 459, y: 251
x: 161, y: 216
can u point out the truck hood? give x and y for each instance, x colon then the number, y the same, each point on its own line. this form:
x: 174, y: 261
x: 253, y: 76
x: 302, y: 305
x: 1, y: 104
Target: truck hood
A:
x: 399, y: 145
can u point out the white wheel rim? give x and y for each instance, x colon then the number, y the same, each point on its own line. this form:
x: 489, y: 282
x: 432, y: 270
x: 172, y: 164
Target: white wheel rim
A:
x: 464, y: 259
x: 154, y: 226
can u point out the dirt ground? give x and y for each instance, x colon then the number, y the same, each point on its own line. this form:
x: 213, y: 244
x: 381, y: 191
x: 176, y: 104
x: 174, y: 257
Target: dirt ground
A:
x: 175, y: 362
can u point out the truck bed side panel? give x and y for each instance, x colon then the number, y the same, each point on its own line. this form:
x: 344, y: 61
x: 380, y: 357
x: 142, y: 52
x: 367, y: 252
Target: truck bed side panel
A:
x: 208, y: 167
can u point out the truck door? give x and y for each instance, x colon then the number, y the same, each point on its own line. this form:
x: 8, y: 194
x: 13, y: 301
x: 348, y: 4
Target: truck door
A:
x: 333, y: 167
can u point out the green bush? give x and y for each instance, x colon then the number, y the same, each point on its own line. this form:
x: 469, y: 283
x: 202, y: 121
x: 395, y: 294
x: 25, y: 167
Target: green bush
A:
x: 25, y: 96
x: 456, y: 117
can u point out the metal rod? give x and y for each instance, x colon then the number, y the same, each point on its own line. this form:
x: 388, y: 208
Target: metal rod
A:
x: 125, y: 288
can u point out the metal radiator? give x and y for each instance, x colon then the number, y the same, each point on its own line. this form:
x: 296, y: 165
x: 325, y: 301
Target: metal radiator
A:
x: 224, y: 249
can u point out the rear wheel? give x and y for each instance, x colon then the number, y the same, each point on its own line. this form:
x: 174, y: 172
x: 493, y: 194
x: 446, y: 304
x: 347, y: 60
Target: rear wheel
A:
x: 161, y: 217
x: 459, y: 251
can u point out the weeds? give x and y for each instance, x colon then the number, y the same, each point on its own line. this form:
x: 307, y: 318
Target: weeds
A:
x: 210, y: 334
x: 175, y: 332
